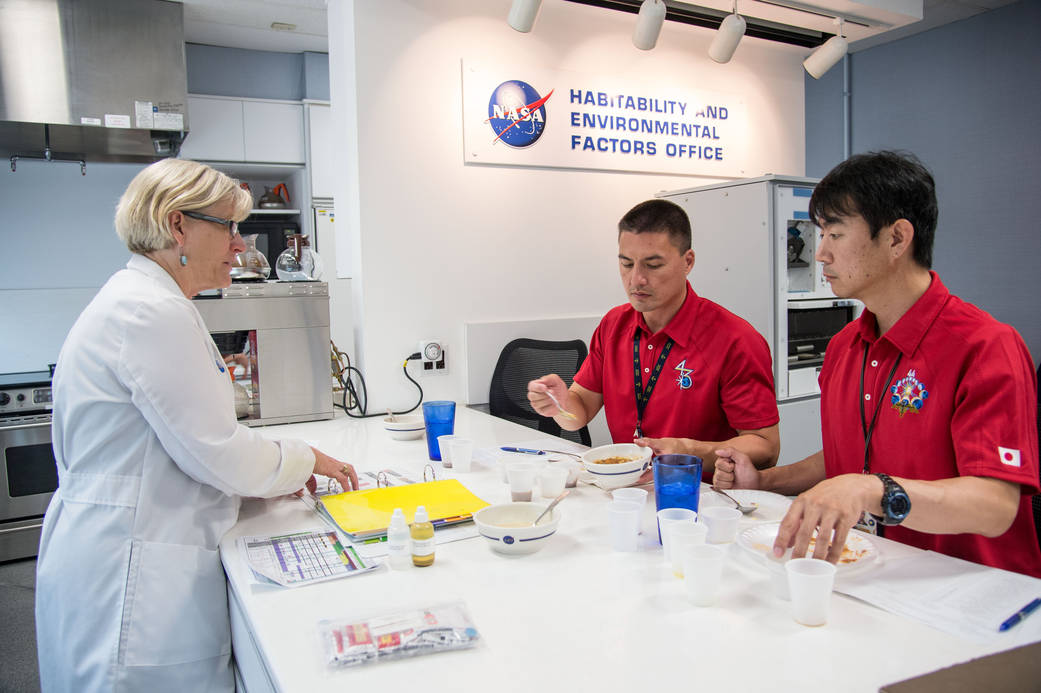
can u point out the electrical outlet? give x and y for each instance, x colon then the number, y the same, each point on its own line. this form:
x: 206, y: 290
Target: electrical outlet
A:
x: 432, y: 355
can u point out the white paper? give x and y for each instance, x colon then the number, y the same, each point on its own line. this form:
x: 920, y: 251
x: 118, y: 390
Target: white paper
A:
x: 301, y: 558
x: 488, y: 456
x: 143, y: 115
x: 952, y: 595
x: 114, y: 120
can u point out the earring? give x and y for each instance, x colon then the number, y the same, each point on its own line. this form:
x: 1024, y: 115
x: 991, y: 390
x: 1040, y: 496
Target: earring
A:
x: 184, y: 260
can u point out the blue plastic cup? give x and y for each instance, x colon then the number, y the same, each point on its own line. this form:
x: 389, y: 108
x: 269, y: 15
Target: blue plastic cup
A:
x: 439, y: 419
x: 677, y: 481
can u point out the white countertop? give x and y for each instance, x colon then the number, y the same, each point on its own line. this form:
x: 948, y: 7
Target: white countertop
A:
x: 574, y: 617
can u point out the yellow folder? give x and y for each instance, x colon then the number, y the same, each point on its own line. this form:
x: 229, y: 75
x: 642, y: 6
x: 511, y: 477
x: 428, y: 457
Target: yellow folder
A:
x: 364, y: 514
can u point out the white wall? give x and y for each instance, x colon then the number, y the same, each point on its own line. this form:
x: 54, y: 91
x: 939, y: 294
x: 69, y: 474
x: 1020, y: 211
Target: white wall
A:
x: 438, y: 243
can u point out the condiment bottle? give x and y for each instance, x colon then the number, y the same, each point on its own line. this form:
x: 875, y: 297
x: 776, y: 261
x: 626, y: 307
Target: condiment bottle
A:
x: 397, y: 540
x: 422, y: 532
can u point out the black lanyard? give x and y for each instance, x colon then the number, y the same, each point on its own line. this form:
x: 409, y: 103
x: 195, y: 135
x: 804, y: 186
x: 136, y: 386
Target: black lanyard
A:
x: 643, y: 395
x: 870, y: 430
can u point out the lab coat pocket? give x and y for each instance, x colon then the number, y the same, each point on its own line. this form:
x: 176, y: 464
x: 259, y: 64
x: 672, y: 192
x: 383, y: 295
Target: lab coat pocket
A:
x: 176, y: 607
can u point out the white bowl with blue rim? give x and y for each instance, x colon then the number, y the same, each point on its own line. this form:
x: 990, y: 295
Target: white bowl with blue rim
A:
x: 408, y: 427
x: 610, y: 476
x: 507, y: 527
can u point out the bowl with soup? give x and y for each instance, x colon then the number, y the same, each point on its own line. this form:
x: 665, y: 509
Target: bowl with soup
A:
x: 507, y: 527
x: 618, y: 465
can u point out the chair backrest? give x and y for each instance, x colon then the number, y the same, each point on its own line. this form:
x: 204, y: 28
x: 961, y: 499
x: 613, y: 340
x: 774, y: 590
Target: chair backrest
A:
x: 524, y: 360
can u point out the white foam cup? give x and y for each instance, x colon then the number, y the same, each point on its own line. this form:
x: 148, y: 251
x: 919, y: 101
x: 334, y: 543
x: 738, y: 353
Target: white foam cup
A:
x: 461, y: 452
x: 623, y: 520
x: 722, y: 523
x: 702, y: 568
x: 809, y: 583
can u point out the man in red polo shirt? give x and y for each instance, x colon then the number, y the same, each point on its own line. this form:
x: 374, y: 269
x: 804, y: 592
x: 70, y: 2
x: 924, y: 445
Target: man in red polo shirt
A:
x: 672, y: 370
x: 927, y: 402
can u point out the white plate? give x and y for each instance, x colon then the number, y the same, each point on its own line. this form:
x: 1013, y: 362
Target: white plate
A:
x: 759, y: 540
x: 771, y: 507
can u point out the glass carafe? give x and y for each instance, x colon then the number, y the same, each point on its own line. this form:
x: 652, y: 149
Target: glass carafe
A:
x: 250, y: 264
x: 298, y: 263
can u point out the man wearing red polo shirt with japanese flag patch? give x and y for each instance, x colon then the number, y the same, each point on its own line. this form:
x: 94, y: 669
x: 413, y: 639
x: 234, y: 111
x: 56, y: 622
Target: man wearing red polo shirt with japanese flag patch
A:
x: 927, y: 402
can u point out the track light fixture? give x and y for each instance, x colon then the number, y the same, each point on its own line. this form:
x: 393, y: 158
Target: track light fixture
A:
x: 648, y: 24
x: 523, y: 14
x: 824, y: 57
x: 724, y: 43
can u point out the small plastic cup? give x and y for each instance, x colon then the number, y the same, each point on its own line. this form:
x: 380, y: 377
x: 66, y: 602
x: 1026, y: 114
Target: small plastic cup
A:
x: 684, y: 536
x: 573, y: 469
x: 702, y: 568
x: 632, y: 495
x: 552, y: 480
x: 670, y: 515
x: 623, y: 519
x: 521, y: 477
x: 809, y: 583
x: 444, y: 444
x: 461, y: 452
x: 722, y: 523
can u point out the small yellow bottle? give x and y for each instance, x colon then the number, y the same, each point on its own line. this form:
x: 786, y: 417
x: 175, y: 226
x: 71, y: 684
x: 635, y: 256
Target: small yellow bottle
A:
x: 421, y: 532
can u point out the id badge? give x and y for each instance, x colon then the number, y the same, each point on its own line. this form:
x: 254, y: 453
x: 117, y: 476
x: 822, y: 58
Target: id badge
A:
x: 869, y: 524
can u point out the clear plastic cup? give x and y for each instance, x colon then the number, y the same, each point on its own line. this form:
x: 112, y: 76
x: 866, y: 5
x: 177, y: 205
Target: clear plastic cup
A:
x: 444, y: 444
x: 552, y: 480
x: 684, y: 536
x: 521, y: 477
x: 810, y: 581
x: 461, y: 452
x: 632, y: 495
x: 722, y: 523
x: 667, y: 516
x: 702, y: 568
x: 623, y: 519
x: 778, y: 574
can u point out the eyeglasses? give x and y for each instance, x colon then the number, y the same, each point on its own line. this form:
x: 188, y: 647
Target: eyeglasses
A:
x: 233, y: 226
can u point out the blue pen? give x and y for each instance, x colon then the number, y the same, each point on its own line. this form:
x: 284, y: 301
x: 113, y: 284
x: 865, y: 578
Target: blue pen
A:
x: 525, y: 451
x: 1020, y: 615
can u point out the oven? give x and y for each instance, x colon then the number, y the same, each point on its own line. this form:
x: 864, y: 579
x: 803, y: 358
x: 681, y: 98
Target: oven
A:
x: 28, y: 472
x: 808, y: 326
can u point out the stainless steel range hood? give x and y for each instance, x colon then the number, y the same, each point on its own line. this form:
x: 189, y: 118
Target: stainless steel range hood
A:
x: 92, y: 80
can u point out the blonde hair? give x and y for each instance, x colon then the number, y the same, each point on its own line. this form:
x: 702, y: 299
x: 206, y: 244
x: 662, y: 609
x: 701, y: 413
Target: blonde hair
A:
x: 172, y: 185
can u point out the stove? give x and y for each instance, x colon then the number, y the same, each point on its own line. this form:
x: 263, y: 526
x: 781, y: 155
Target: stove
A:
x: 28, y: 472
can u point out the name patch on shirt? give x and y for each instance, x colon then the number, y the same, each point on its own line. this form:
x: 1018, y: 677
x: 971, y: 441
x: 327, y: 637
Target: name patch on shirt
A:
x: 1009, y: 456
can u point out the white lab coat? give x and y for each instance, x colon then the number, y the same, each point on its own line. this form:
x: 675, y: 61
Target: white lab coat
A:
x: 130, y: 593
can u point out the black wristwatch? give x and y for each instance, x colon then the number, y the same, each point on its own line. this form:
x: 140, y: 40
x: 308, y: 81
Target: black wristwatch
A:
x: 895, y: 503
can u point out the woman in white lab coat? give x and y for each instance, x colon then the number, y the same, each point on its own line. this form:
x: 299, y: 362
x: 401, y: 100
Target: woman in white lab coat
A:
x: 130, y: 593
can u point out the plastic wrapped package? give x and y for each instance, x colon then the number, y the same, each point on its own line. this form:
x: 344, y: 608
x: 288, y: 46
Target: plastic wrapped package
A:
x: 397, y: 634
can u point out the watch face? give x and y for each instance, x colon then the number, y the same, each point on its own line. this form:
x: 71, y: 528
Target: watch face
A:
x: 899, y: 505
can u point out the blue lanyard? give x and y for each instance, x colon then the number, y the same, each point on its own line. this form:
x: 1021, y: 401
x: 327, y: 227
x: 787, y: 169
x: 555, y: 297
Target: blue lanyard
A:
x: 643, y: 394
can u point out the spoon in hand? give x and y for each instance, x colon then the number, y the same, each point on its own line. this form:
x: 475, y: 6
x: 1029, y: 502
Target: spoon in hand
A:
x: 563, y: 412
x: 745, y: 509
x: 550, y: 506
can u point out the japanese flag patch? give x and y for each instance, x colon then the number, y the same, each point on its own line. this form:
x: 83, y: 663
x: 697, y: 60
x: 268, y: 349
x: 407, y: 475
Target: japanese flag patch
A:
x: 1009, y: 456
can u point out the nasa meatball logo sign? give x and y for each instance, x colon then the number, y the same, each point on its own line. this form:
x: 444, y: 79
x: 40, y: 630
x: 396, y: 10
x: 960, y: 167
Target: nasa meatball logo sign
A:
x: 540, y: 117
x: 517, y: 113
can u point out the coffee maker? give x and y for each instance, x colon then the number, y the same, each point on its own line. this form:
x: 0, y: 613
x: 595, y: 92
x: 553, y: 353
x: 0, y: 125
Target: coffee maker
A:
x: 274, y: 336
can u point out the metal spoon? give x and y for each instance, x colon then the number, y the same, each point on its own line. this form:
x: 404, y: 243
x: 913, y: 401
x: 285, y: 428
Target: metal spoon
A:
x: 563, y: 412
x: 550, y: 506
x: 745, y: 509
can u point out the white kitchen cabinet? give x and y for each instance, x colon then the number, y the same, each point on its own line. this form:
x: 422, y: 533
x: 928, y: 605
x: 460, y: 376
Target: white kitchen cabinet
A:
x: 319, y: 149
x: 244, y: 130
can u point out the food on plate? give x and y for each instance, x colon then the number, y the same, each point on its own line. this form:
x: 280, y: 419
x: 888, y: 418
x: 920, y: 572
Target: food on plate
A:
x: 849, y: 554
x: 615, y: 460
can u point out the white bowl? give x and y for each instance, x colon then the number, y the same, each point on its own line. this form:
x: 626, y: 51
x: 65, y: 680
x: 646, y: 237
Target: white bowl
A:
x: 499, y: 525
x: 612, y: 476
x: 404, y: 427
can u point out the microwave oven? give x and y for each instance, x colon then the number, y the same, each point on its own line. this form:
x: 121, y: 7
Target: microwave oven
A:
x: 810, y: 325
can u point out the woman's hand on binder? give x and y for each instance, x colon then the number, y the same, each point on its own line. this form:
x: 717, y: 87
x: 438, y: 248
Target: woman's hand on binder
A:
x: 334, y: 469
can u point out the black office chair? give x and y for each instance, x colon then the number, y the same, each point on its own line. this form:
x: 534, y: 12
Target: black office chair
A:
x: 524, y: 360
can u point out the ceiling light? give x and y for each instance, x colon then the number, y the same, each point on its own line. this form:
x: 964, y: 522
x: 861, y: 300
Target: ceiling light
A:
x: 824, y: 58
x: 648, y: 24
x: 522, y: 14
x: 726, y: 39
